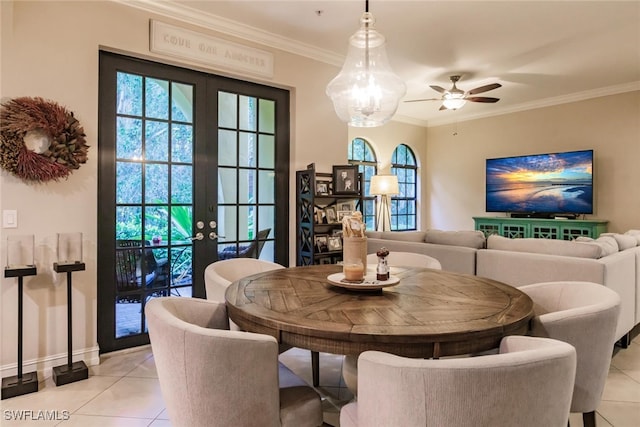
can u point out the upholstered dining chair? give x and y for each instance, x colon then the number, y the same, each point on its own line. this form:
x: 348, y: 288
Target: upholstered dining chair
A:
x: 211, y: 376
x: 220, y: 274
x: 406, y: 259
x: 527, y: 384
x: 394, y: 259
x: 585, y: 315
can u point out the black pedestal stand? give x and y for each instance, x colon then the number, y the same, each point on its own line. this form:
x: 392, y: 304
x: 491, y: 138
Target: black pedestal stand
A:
x: 22, y: 383
x: 71, y: 372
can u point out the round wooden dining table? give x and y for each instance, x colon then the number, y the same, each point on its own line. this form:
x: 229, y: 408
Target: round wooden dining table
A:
x: 428, y: 314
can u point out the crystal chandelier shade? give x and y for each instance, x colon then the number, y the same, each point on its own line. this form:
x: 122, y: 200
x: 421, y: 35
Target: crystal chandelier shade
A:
x: 366, y: 92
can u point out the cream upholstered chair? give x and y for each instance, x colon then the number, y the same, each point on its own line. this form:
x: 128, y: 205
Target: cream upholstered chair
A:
x: 585, y: 315
x: 406, y: 259
x: 220, y: 274
x: 395, y: 259
x: 211, y: 376
x: 527, y: 384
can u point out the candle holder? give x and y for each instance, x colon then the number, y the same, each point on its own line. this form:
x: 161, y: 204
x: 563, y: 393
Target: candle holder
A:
x: 20, y: 264
x: 69, y: 260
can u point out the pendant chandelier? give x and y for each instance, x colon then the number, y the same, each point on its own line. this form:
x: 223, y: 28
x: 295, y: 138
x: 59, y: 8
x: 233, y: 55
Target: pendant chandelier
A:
x: 366, y: 92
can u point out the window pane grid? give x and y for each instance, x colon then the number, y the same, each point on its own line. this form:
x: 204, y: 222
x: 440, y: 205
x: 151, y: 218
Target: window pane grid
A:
x: 403, y: 205
x: 246, y: 195
x: 361, y: 154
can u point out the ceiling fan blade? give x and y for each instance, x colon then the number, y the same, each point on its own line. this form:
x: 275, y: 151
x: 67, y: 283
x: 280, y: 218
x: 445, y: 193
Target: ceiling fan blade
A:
x: 425, y: 99
x: 442, y: 107
x: 482, y: 99
x: 485, y: 88
x: 438, y: 88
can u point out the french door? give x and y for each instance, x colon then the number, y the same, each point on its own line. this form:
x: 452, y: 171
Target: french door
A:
x: 193, y: 168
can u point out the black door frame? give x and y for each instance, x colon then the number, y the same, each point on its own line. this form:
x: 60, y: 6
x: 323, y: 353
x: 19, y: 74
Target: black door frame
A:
x: 206, y: 87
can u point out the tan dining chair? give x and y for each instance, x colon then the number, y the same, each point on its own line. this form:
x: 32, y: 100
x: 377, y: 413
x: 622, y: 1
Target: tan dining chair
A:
x: 406, y: 259
x: 527, y: 384
x: 211, y: 376
x: 394, y: 259
x: 585, y: 315
x: 220, y: 274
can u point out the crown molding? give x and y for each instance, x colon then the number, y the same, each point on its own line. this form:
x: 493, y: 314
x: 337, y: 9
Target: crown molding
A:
x: 541, y: 103
x: 235, y: 29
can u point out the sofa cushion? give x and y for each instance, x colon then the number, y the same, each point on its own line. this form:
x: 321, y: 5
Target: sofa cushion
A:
x: 546, y: 246
x: 607, y: 244
x: 635, y: 234
x: 467, y: 238
x: 624, y: 241
x: 403, y: 236
x: 373, y: 234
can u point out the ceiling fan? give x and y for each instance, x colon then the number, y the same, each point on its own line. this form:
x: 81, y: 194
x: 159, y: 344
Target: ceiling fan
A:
x: 455, y: 98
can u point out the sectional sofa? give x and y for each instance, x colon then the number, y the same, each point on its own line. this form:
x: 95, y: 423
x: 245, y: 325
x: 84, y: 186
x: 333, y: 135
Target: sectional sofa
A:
x: 612, y: 260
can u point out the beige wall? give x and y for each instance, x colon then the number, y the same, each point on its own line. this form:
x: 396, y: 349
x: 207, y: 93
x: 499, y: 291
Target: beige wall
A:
x: 609, y: 125
x: 50, y: 49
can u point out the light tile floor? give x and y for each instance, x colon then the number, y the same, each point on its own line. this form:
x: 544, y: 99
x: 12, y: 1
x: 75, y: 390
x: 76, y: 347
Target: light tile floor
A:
x: 123, y: 391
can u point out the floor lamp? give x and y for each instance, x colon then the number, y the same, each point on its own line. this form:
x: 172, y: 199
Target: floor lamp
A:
x: 384, y: 186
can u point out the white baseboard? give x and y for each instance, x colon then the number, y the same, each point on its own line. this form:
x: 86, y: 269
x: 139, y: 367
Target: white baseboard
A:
x: 44, y: 365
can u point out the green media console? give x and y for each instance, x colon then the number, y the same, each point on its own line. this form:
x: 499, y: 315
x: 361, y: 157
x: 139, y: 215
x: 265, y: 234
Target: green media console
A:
x: 565, y: 229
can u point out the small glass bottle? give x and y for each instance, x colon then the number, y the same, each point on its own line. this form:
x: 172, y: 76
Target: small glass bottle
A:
x: 382, y: 270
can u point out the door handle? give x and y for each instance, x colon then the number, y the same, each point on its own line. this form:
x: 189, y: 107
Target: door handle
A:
x: 198, y: 236
x: 214, y: 236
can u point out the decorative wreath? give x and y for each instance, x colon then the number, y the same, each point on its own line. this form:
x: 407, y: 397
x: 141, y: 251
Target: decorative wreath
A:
x: 38, y: 118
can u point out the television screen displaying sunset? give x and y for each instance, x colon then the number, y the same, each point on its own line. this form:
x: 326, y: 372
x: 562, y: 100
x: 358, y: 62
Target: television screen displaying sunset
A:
x: 545, y: 183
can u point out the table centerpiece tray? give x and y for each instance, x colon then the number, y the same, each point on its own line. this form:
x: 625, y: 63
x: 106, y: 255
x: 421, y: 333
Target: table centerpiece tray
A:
x: 369, y: 283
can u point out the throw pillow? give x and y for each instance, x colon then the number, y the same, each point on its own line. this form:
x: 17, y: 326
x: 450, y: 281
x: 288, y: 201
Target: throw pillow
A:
x: 635, y: 234
x: 624, y: 241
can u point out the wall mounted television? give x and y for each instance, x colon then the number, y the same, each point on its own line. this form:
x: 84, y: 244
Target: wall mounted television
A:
x: 541, y: 185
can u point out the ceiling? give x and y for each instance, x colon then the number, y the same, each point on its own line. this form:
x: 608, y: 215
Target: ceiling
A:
x: 542, y: 52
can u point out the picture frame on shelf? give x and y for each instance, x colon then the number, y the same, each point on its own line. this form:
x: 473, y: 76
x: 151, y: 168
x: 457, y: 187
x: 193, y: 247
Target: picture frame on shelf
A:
x: 320, y: 242
x: 334, y: 243
x: 330, y: 214
x: 319, y: 215
x: 341, y: 214
x: 322, y: 188
x: 345, y: 179
x: 346, y: 206
x: 325, y: 260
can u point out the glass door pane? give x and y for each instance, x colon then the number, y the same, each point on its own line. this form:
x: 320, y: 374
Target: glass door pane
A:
x: 154, y: 195
x: 246, y: 176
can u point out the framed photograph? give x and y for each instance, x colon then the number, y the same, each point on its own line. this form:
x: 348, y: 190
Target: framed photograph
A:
x: 322, y: 188
x: 330, y: 214
x: 321, y: 243
x: 345, y: 179
x: 334, y: 243
x: 320, y: 216
x: 346, y: 206
x: 342, y: 214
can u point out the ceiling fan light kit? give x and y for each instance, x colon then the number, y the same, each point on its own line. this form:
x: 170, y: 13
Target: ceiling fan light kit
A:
x: 454, y: 98
x: 366, y: 92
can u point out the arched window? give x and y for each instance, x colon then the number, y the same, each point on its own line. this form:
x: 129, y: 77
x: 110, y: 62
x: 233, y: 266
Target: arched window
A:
x: 404, y: 205
x: 361, y: 154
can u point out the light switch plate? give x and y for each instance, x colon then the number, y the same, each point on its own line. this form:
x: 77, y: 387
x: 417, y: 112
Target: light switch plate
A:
x: 9, y: 219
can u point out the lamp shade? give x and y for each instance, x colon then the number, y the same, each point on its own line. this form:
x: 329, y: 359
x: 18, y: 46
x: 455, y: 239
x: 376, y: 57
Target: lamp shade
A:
x: 384, y: 185
x: 366, y: 92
